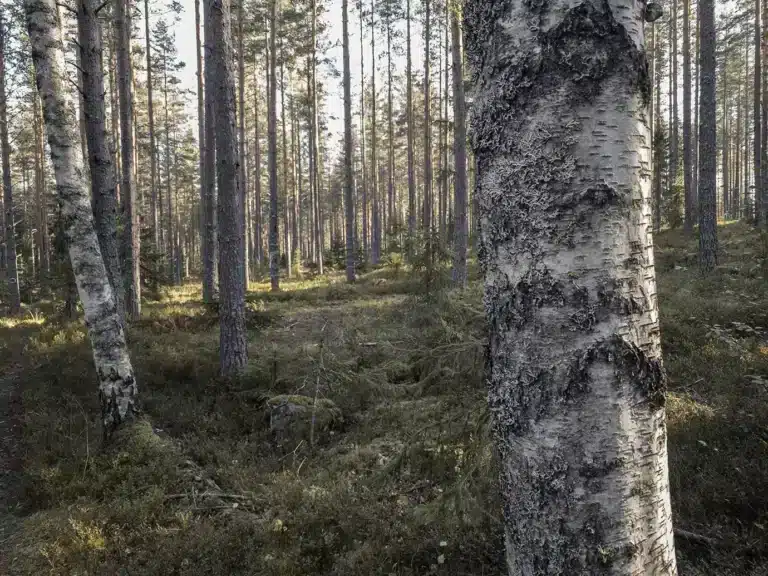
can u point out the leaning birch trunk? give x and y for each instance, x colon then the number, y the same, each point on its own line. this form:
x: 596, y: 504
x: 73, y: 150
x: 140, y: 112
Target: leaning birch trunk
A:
x: 576, y: 383
x: 103, y: 186
x: 117, y: 386
x: 232, y: 340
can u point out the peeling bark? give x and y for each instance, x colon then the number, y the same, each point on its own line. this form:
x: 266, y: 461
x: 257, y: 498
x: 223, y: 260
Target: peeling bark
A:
x: 576, y: 384
x: 117, y: 385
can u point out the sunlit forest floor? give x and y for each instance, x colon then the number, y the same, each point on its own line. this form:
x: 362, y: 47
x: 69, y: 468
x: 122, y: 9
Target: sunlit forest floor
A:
x: 400, y: 480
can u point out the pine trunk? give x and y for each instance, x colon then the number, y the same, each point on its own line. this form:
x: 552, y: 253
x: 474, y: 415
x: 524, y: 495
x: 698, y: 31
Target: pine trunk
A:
x: 461, y: 233
x: 12, y: 272
x: 200, y: 134
x: 241, y: 140
x: 210, y: 230
x: 708, y: 140
x: 687, y: 145
x: 117, y: 386
x: 233, y: 351
x: 274, y: 246
x: 410, y: 135
x: 103, y: 178
x: 427, y: 196
x: 348, y: 179
x: 151, y: 119
x: 565, y: 214
x: 363, y: 159
x: 131, y: 233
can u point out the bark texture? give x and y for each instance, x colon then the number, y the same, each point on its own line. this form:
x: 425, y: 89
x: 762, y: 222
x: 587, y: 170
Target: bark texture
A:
x: 210, y: 240
x: 117, y: 385
x: 576, y: 383
x: 233, y: 351
x: 708, y: 140
x: 103, y: 184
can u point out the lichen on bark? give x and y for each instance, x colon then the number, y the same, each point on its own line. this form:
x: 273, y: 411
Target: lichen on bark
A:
x: 576, y: 384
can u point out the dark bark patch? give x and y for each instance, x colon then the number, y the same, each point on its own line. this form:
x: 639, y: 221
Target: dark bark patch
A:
x: 646, y: 374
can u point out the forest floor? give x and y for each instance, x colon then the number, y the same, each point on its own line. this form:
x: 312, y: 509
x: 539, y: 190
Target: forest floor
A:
x: 405, y: 483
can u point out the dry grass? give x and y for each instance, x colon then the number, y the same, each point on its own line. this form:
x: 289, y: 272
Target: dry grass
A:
x: 407, y: 486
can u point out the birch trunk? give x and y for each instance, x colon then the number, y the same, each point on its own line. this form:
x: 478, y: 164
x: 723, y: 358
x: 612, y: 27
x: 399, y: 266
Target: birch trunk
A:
x: 103, y: 191
x: 131, y: 233
x: 117, y: 386
x: 233, y: 351
x: 576, y: 383
x: 757, y: 139
x: 12, y: 271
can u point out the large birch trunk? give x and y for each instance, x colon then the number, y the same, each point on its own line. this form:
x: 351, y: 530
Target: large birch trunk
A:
x: 103, y: 185
x: 576, y: 383
x: 117, y: 386
x: 232, y: 341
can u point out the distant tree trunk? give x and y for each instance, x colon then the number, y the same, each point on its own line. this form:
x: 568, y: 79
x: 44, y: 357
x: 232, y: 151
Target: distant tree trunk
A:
x: 296, y: 184
x: 578, y: 413
x: 366, y: 247
x: 12, y: 272
x: 427, y: 212
x: 117, y: 385
x: 391, y: 191
x: 687, y: 158
x: 233, y: 351
x: 241, y: 138
x: 42, y: 203
x: 348, y: 179
x: 284, y: 139
x: 274, y: 245
x: 764, y: 117
x: 658, y: 148
x: 461, y: 232
x: 758, y: 139
x: 375, y: 233
x: 103, y: 192
x: 674, y: 144
x: 725, y: 138
x: 200, y: 136
x: 210, y: 231
x: 171, y: 244
x: 748, y: 203
x: 708, y: 140
x: 319, y: 244
x: 257, y: 221
x: 695, y: 131
x: 410, y: 135
x: 151, y: 118
x: 444, y: 181
x: 131, y: 232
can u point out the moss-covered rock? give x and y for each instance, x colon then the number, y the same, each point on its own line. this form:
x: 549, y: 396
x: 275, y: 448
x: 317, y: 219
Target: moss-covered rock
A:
x: 293, y: 418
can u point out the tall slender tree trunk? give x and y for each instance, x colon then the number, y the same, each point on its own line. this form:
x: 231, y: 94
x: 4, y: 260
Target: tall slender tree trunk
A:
x: 748, y: 203
x: 200, y: 135
x: 151, y: 117
x: 40, y: 187
x: 674, y: 143
x: 687, y: 144
x: 103, y: 179
x: 117, y: 385
x: 318, y: 224
x: 171, y: 244
x: 286, y: 194
x: 375, y: 234
x: 274, y: 246
x: 410, y: 135
x: 12, y: 271
x: 366, y: 247
x: 210, y: 231
x: 695, y: 131
x: 257, y: 221
x: 764, y: 116
x: 460, y: 229
x: 296, y: 184
x: 233, y: 349
x: 726, y: 137
x: 241, y: 137
x: 131, y: 244
x: 756, y: 112
x: 391, y: 192
x: 657, y: 144
x: 579, y: 420
x: 348, y: 153
x: 427, y: 212
x: 708, y: 140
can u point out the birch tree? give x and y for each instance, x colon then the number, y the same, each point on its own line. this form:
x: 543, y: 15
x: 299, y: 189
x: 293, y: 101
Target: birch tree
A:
x: 117, y: 385
x: 576, y: 382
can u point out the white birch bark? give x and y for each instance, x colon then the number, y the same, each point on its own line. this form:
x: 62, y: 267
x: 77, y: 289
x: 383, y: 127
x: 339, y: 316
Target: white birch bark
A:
x: 117, y: 385
x: 576, y: 383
